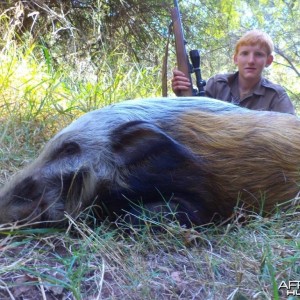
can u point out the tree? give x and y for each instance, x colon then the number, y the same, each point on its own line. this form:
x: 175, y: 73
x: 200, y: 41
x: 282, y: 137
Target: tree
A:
x: 75, y: 30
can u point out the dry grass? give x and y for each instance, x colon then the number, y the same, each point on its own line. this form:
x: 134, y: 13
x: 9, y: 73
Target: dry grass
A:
x: 231, y: 262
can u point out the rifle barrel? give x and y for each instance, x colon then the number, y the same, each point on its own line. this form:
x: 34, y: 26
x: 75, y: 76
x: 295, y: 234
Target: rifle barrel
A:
x: 181, y: 55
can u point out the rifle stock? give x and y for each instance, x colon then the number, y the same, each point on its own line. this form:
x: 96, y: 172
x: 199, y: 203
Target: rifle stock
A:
x: 181, y: 55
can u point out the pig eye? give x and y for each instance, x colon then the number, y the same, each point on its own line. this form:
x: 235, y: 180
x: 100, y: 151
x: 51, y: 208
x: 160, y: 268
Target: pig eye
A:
x: 67, y: 149
x: 70, y: 148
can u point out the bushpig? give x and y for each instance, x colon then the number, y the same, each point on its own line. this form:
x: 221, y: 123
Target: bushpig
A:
x: 198, y: 156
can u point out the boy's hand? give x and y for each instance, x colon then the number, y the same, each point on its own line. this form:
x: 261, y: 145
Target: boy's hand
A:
x: 180, y: 82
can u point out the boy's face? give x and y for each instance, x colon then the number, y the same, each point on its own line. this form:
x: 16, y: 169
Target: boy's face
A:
x: 251, y: 60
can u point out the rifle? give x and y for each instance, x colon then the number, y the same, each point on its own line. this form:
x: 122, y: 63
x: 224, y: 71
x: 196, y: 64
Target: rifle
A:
x: 183, y: 62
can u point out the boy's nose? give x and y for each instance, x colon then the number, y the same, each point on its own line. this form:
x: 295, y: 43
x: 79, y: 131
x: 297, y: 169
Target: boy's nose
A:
x: 251, y: 58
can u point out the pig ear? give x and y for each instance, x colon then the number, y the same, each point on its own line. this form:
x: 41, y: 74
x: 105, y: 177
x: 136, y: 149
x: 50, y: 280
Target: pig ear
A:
x: 137, y: 141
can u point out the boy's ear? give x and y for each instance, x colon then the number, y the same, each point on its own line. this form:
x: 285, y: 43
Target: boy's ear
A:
x: 270, y: 59
x: 235, y: 59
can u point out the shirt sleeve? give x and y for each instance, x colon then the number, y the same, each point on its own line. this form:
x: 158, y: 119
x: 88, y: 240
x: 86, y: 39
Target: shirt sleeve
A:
x: 284, y: 104
x: 209, y: 88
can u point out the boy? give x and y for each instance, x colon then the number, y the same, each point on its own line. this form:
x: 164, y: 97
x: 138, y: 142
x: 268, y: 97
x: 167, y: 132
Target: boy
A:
x: 246, y: 87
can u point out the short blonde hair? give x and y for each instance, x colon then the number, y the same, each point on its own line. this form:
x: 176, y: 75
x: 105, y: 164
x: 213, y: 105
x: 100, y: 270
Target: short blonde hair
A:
x: 253, y: 37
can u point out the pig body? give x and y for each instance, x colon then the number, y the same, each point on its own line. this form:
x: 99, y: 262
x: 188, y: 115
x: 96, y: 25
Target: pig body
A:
x: 197, y: 156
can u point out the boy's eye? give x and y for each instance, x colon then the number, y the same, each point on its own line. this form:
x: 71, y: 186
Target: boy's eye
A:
x: 259, y: 54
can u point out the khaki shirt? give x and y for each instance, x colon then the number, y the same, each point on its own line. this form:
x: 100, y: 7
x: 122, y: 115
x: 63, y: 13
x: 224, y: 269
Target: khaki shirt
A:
x: 265, y: 96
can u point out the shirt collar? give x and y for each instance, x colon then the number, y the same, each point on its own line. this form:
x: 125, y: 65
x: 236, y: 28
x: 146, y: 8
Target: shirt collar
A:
x: 259, y: 89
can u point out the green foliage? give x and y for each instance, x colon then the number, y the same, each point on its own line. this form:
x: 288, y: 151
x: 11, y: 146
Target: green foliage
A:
x: 80, y: 35
x: 33, y: 88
